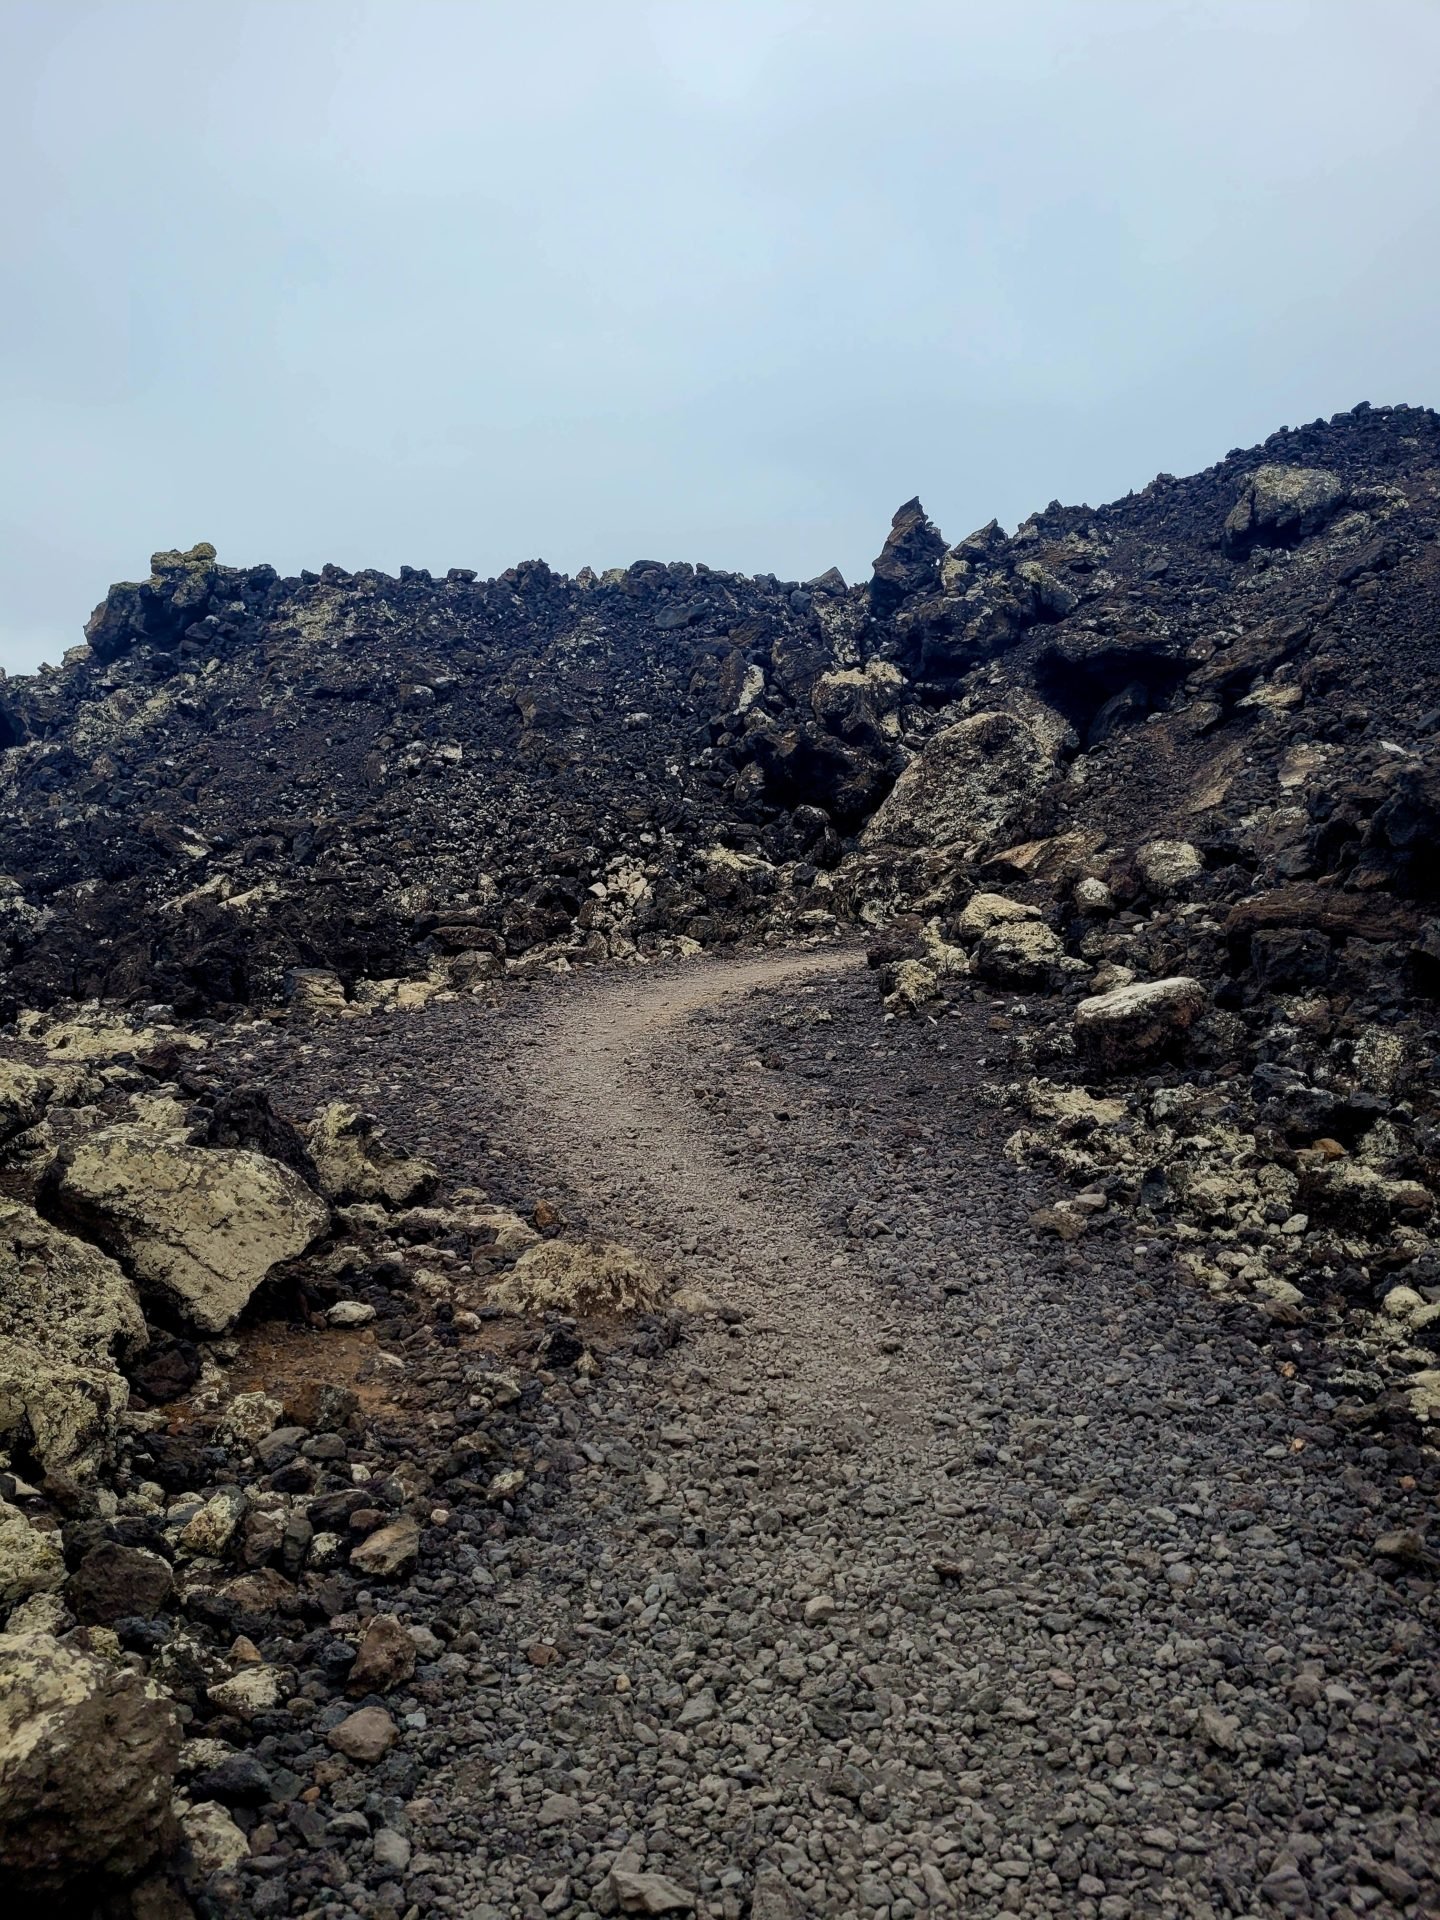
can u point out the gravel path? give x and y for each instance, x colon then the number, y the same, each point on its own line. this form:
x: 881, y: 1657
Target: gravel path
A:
x: 940, y: 1569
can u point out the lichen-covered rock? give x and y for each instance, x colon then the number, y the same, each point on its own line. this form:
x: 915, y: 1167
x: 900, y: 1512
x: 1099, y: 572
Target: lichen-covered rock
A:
x: 1135, y: 1023
x: 200, y: 1227
x: 976, y: 786
x: 67, y: 1315
x: 580, y: 1276
x: 913, y: 984
x: 94, y: 1033
x: 1280, y: 506
x: 1168, y: 866
x: 25, y: 1092
x: 30, y: 1561
x: 58, y: 1414
x: 985, y: 910
x: 63, y: 1295
x: 88, y: 1753
x: 210, y: 1842
x: 1020, y: 953
x: 354, y: 1162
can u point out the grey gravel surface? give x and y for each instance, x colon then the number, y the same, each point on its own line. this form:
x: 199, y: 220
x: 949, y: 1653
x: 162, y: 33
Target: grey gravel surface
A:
x: 936, y: 1569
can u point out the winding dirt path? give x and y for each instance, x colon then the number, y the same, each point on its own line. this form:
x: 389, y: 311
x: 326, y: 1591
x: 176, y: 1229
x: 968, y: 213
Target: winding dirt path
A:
x: 612, y: 1112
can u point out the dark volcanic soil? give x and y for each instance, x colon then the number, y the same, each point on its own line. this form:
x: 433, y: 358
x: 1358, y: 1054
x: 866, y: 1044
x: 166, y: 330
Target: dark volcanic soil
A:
x: 937, y: 1569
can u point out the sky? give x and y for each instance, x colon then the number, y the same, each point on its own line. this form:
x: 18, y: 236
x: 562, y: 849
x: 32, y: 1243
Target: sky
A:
x: 468, y: 282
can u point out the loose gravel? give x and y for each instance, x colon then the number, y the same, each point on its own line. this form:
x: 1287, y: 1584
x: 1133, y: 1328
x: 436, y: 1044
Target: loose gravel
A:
x: 936, y: 1569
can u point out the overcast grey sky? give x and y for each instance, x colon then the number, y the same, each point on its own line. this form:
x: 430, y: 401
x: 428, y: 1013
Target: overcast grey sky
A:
x: 462, y: 282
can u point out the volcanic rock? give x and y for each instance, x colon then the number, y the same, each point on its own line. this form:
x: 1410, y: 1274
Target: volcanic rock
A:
x: 366, y: 1735
x: 198, y: 1227
x: 30, y: 1560
x: 977, y: 785
x: 1280, y: 506
x: 1133, y: 1024
x: 354, y: 1163
x: 88, y: 1753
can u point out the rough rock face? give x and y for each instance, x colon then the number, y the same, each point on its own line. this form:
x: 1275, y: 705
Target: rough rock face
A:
x: 68, y: 1317
x: 87, y: 1757
x: 1132, y: 1024
x: 30, y: 1561
x: 977, y: 786
x: 1279, y: 506
x: 199, y: 1227
x: 299, y: 788
x: 353, y: 1162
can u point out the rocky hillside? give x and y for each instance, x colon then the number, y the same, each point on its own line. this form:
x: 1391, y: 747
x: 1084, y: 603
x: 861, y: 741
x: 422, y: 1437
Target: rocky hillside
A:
x: 239, y: 775
x: 1135, y: 809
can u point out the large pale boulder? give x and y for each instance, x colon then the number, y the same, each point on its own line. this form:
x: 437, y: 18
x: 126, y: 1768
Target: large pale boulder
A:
x: 974, y: 787
x: 88, y: 1753
x: 198, y: 1226
x: 580, y: 1276
x: 982, y: 911
x: 1280, y: 506
x: 60, y: 1415
x: 1132, y: 1024
x: 67, y: 1315
x: 355, y: 1163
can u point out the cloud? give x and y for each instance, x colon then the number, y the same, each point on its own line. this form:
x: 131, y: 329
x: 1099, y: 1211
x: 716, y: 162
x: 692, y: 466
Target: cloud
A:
x: 459, y: 285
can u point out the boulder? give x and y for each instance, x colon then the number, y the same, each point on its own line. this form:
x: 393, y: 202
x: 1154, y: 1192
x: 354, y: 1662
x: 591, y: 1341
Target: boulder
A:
x: 580, y: 1276
x: 67, y: 1314
x: 210, y: 1842
x: 314, y: 990
x: 30, y: 1561
x: 354, y: 1162
x: 913, y: 985
x: 1168, y: 866
x: 1279, y: 507
x: 976, y: 786
x: 88, y: 1753
x: 1093, y: 898
x: 985, y: 910
x: 389, y: 1551
x: 200, y: 1227
x: 25, y: 1092
x: 60, y: 1416
x: 1020, y: 953
x: 1135, y: 1023
x: 115, y: 1582
x: 63, y: 1295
